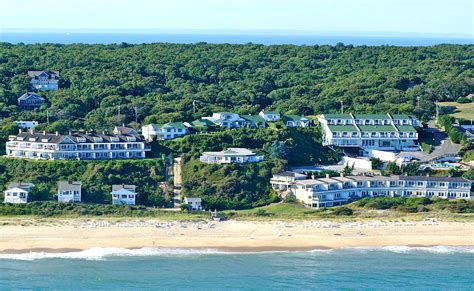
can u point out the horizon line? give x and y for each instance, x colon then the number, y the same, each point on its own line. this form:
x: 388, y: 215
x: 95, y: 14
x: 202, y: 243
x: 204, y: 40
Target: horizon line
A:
x: 259, y: 32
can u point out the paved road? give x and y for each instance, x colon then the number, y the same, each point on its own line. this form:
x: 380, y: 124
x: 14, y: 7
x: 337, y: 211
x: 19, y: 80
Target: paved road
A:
x: 443, y: 145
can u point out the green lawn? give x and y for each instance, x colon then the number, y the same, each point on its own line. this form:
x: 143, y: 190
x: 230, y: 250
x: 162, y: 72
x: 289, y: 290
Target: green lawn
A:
x: 463, y: 110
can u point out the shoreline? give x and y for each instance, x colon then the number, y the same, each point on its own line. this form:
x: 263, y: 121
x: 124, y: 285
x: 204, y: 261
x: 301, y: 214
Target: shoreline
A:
x: 223, y: 249
x: 76, y: 235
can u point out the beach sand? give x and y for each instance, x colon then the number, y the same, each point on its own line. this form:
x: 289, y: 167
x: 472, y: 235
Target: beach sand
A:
x: 62, y: 235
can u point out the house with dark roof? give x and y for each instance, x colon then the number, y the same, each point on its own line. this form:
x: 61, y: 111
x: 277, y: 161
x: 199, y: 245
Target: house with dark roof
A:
x: 44, y: 80
x: 78, y: 146
x: 30, y: 101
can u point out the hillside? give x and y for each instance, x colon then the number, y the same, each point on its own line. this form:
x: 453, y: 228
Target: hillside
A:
x: 106, y: 85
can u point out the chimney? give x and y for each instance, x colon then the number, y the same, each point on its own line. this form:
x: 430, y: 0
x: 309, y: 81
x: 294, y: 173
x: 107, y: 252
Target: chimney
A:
x: 70, y: 133
x: 313, y: 176
x: 57, y: 133
x: 20, y: 131
x: 44, y: 132
x: 427, y: 174
x: 341, y: 174
x: 31, y: 131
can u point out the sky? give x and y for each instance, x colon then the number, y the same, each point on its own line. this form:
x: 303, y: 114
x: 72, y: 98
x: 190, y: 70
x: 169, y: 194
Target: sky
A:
x: 377, y: 17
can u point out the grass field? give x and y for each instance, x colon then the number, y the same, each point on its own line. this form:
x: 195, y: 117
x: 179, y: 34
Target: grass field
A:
x: 463, y: 110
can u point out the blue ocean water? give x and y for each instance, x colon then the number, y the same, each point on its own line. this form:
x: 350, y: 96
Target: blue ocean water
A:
x: 137, y: 38
x: 389, y: 268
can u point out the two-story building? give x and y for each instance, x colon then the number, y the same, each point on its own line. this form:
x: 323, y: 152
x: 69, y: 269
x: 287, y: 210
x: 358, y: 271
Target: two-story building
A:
x: 227, y: 119
x: 17, y: 192
x: 194, y: 203
x: 327, y: 192
x: 283, y: 181
x: 30, y: 101
x: 123, y: 194
x: 230, y: 156
x: 370, y: 131
x: 44, y: 80
x: 165, y: 131
x: 69, y: 191
x: 79, y: 146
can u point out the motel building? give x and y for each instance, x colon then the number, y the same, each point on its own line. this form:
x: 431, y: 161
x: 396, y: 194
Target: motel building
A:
x: 333, y: 191
x: 391, y: 132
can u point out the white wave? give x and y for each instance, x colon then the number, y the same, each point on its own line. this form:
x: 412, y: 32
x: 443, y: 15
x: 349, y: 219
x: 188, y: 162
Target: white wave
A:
x: 102, y: 253
x: 409, y: 249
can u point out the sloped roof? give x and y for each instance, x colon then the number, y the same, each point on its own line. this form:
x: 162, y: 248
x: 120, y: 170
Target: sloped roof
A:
x: 377, y: 128
x: 232, y: 152
x: 371, y: 116
x: 342, y: 128
x: 270, y: 112
x: 336, y: 116
x: 202, y: 123
x: 253, y: 118
x: 406, y: 128
x: 21, y: 185
x: 76, y: 137
x: 50, y: 74
x: 16, y: 189
x: 30, y: 95
x: 123, y: 192
x: 292, y: 117
x: 174, y: 125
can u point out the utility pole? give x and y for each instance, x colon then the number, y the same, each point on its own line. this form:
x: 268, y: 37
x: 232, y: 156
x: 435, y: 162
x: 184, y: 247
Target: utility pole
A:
x: 437, y: 110
x: 135, y: 108
x: 47, y: 116
x: 194, y: 106
x: 342, y: 106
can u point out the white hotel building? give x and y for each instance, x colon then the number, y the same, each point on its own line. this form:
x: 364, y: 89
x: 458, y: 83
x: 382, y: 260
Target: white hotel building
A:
x: 370, y: 131
x: 326, y: 192
x: 75, y: 146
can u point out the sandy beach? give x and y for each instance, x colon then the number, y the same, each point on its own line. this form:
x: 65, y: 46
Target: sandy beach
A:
x: 56, y: 235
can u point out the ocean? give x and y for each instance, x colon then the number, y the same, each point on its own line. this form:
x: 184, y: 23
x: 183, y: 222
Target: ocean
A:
x: 387, y: 268
x: 136, y: 38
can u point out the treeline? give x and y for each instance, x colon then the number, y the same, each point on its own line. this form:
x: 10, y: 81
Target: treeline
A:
x: 97, y: 178
x: 106, y: 85
x: 411, y: 204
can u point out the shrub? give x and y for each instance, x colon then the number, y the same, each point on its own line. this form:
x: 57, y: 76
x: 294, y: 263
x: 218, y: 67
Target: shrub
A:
x: 464, y: 100
x: 342, y: 210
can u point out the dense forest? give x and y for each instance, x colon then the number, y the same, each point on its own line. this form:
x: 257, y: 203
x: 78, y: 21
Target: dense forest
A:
x: 106, y: 85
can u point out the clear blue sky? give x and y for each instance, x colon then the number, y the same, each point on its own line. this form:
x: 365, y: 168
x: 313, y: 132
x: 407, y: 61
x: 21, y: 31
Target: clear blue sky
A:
x: 439, y: 17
